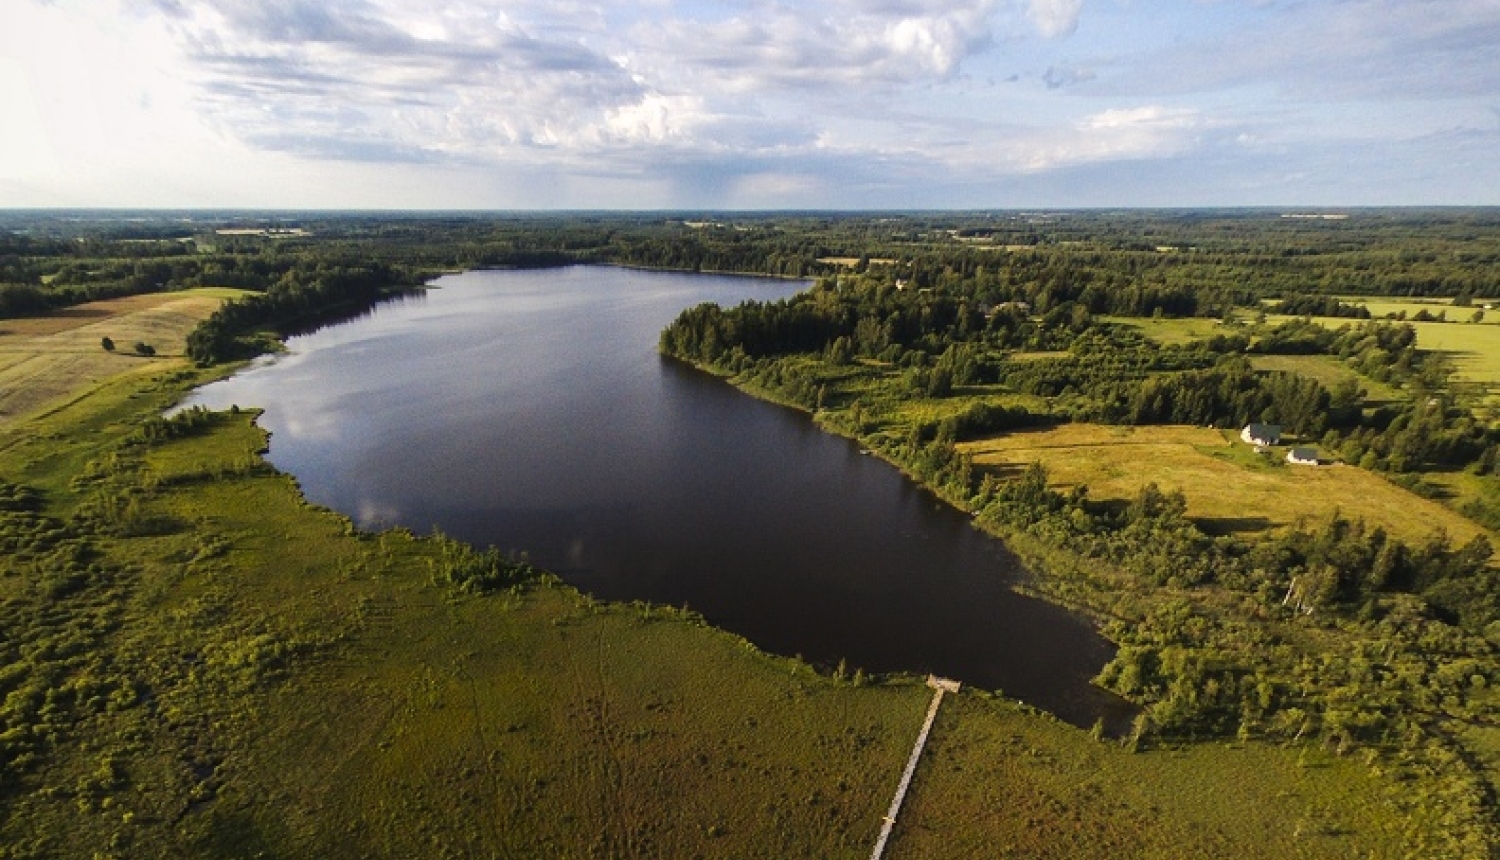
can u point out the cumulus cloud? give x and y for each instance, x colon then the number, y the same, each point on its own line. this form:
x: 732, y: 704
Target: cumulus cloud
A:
x: 730, y: 101
x: 397, y: 79
x: 838, y: 44
x: 1117, y: 134
x: 1054, y: 18
x: 406, y: 80
x: 656, y: 118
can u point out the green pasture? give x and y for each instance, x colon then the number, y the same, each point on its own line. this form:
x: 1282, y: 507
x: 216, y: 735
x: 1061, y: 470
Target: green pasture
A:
x: 1228, y: 487
x: 1172, y: 331
x: 299, y: 689
x: 1327, y: 370
x: 1382, y: 307
x: 1474, y: 349
x: 231, y: 672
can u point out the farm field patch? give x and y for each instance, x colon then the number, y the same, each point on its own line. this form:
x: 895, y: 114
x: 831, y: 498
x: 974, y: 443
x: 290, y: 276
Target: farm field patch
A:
x: 1228, y: 487
x: 47, y: 359
x: 1327, y: 370
x: 1473, y: 348
x: 1172, y: 331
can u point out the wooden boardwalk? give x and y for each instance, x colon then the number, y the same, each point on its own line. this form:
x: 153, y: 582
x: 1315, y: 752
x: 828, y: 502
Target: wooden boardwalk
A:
x: 939, y: 687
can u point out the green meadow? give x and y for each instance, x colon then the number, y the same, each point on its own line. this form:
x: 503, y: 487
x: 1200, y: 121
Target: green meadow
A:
x: 1473, y: 348
x: 1383, y: 306
x: 1171, y: 331
x: 197, y: 663
x: 1327, y: 370
x: 1227, y: 486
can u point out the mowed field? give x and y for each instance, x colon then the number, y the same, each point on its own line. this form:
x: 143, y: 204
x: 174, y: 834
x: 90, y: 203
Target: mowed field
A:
x: 45, y: 360
x: 1381, y: 306
x: 1474, y: 348
x: 1228, y: 487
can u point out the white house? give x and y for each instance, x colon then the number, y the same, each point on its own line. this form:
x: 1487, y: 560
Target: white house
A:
x: 1261, y: 434
x: 1302, y: 456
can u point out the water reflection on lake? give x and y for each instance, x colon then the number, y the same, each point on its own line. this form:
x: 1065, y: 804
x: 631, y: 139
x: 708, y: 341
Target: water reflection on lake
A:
x: 530, y: 410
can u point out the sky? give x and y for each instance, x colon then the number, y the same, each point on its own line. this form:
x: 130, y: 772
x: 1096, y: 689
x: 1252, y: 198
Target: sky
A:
x: 748, y: 104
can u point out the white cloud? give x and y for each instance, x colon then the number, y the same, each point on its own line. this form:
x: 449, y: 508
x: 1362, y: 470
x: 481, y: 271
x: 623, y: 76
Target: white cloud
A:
x: 490, y: 81
x: 1117, y: 134
x: 1055, y: 18
x: 698, y: 102
x: 655, y: 118
x: 1151, y: 116
x: 819, y: 47
x: 396, y: 80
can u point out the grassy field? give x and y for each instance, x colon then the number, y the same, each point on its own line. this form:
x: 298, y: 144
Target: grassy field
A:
x: 1381, y: 307
x: 1387, y: 307
x: 47, y: 359
x: 238, y: 674
x: 1327, y: 370
x: 306, y: 691
x: 1172, y: 331
x: 1041, y: 796
x: 1227, y: 485
x: 1473, y: 348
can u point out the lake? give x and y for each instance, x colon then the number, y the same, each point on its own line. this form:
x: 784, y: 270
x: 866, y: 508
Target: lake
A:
x: 529, y: 409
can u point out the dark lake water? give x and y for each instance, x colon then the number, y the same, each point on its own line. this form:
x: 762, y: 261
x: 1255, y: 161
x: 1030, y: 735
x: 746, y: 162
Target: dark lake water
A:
x: 530, y: 410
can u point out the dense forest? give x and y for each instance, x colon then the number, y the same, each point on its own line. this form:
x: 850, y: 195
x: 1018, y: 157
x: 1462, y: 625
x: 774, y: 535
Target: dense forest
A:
x: 1209, y: 633
x: 922, y: 332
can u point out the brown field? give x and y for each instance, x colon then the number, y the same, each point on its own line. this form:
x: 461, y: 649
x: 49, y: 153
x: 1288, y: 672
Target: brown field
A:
x: 1228, y: 487
x: 44, y: 360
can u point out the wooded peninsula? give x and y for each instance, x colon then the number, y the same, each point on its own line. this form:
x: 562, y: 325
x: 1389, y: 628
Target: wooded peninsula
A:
x: 1262, y: 452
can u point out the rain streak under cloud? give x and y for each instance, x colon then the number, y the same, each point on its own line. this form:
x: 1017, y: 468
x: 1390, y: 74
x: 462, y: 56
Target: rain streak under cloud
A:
x: 834, y: 104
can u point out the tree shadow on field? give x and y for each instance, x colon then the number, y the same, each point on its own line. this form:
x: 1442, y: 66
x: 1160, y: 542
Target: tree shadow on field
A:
x: 1001, y: 471
x: 236, y: 834
x: 81, y: 313
x: 1220, y: 526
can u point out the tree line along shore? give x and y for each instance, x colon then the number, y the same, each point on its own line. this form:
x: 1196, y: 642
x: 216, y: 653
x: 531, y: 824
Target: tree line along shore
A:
x: 181, y: 629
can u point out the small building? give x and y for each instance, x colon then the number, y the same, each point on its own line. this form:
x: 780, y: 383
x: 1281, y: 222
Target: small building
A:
x: 1302, y: 456
x: 1262, y: 435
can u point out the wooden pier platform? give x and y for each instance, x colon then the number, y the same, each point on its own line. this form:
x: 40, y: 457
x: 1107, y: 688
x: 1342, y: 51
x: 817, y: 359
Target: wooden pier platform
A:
x: 939, y: 687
